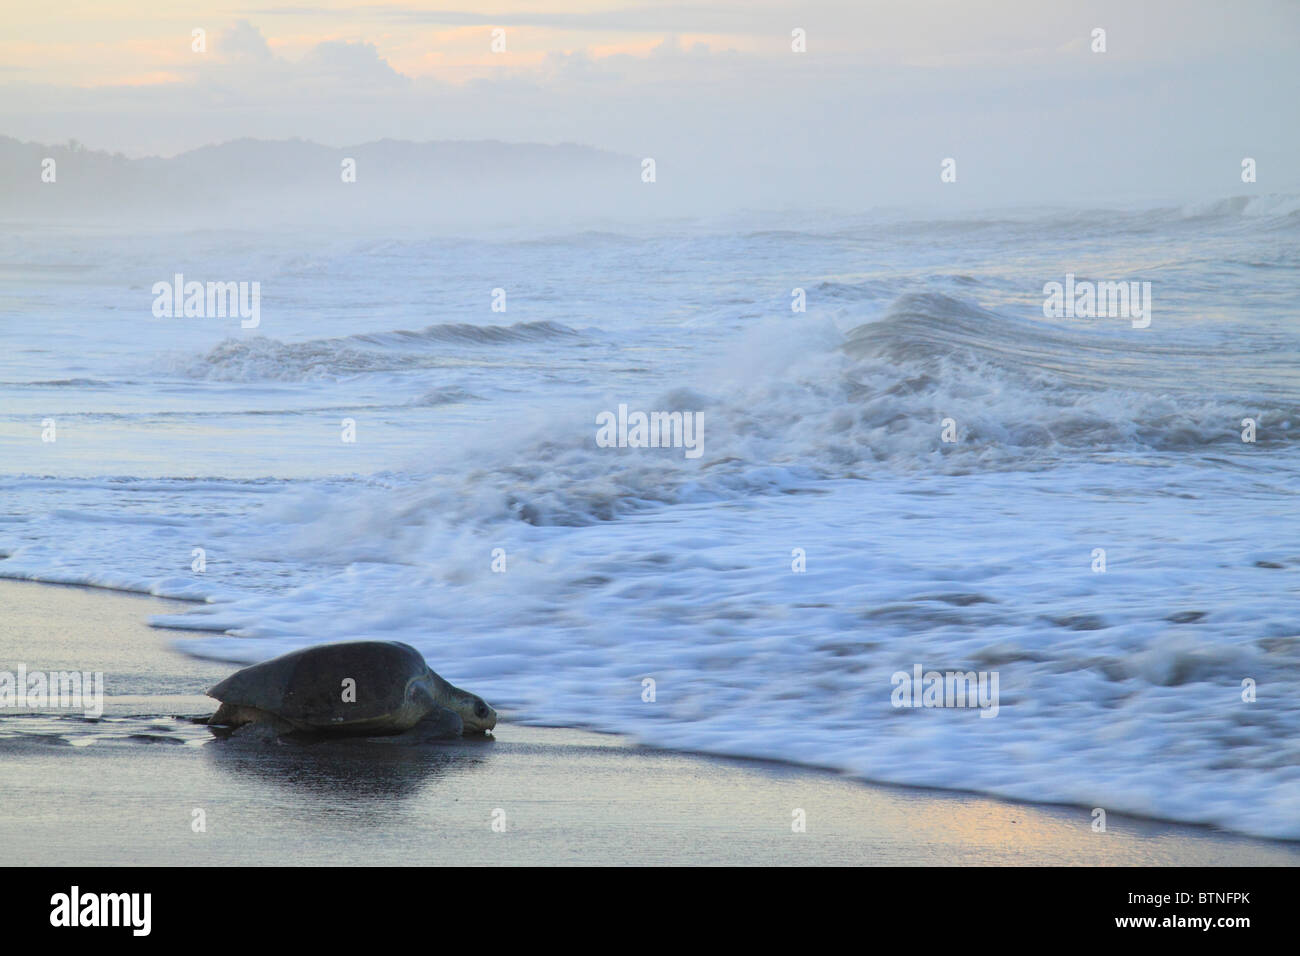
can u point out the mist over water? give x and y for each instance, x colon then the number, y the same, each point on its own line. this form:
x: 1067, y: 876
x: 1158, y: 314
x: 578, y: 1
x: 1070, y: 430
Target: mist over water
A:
x: 475, y: 430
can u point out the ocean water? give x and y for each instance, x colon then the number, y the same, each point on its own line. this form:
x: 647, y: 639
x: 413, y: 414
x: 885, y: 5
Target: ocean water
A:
x: 475, y: 430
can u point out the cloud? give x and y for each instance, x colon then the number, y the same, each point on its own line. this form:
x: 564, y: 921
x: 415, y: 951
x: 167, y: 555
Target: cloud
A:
x: 672, y: 47
x: 243, y: 68
x: 243, y: 43
x: 738, y: 17
x: 349, y: 62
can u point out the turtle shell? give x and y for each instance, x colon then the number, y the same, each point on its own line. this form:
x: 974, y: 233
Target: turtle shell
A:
x: 306, y: 687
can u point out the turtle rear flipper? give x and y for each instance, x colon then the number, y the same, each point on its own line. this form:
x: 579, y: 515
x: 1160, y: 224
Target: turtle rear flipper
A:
x: 225, y: 716
x: 235, y: 716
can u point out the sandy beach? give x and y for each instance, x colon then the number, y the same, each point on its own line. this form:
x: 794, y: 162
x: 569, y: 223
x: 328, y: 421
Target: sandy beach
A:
x: 125, y: 789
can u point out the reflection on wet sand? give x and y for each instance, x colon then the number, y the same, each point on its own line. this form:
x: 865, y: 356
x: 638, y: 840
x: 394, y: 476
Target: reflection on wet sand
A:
x: 353, y: 769
x: 348, y: 770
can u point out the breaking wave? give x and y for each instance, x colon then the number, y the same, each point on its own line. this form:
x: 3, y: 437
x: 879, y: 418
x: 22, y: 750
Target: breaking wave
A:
x: 266, y: 359
x: 781, y: 410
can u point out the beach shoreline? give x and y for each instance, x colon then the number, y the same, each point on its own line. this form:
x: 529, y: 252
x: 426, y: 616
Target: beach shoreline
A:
x: 145, y: 785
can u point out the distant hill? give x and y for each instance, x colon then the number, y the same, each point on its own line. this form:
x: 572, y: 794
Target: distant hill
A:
x: 294, y: 181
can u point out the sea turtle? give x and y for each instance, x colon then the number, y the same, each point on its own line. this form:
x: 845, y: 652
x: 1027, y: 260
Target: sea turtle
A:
x: 358, y: 687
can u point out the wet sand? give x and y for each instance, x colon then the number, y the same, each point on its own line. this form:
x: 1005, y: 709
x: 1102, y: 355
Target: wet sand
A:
x: 125, y: 789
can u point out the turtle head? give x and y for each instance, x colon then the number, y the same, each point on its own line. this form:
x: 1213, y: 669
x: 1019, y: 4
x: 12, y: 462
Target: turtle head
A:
x: 474, y: 711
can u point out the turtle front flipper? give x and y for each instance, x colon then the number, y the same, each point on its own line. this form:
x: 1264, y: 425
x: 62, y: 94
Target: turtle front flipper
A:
x: 439, y: 724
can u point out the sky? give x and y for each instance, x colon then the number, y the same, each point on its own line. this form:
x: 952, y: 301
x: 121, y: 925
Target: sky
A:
x: 883, y: 93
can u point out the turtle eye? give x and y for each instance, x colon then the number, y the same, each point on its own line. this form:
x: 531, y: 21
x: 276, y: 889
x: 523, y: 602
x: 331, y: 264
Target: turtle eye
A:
x: 480, y: 709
